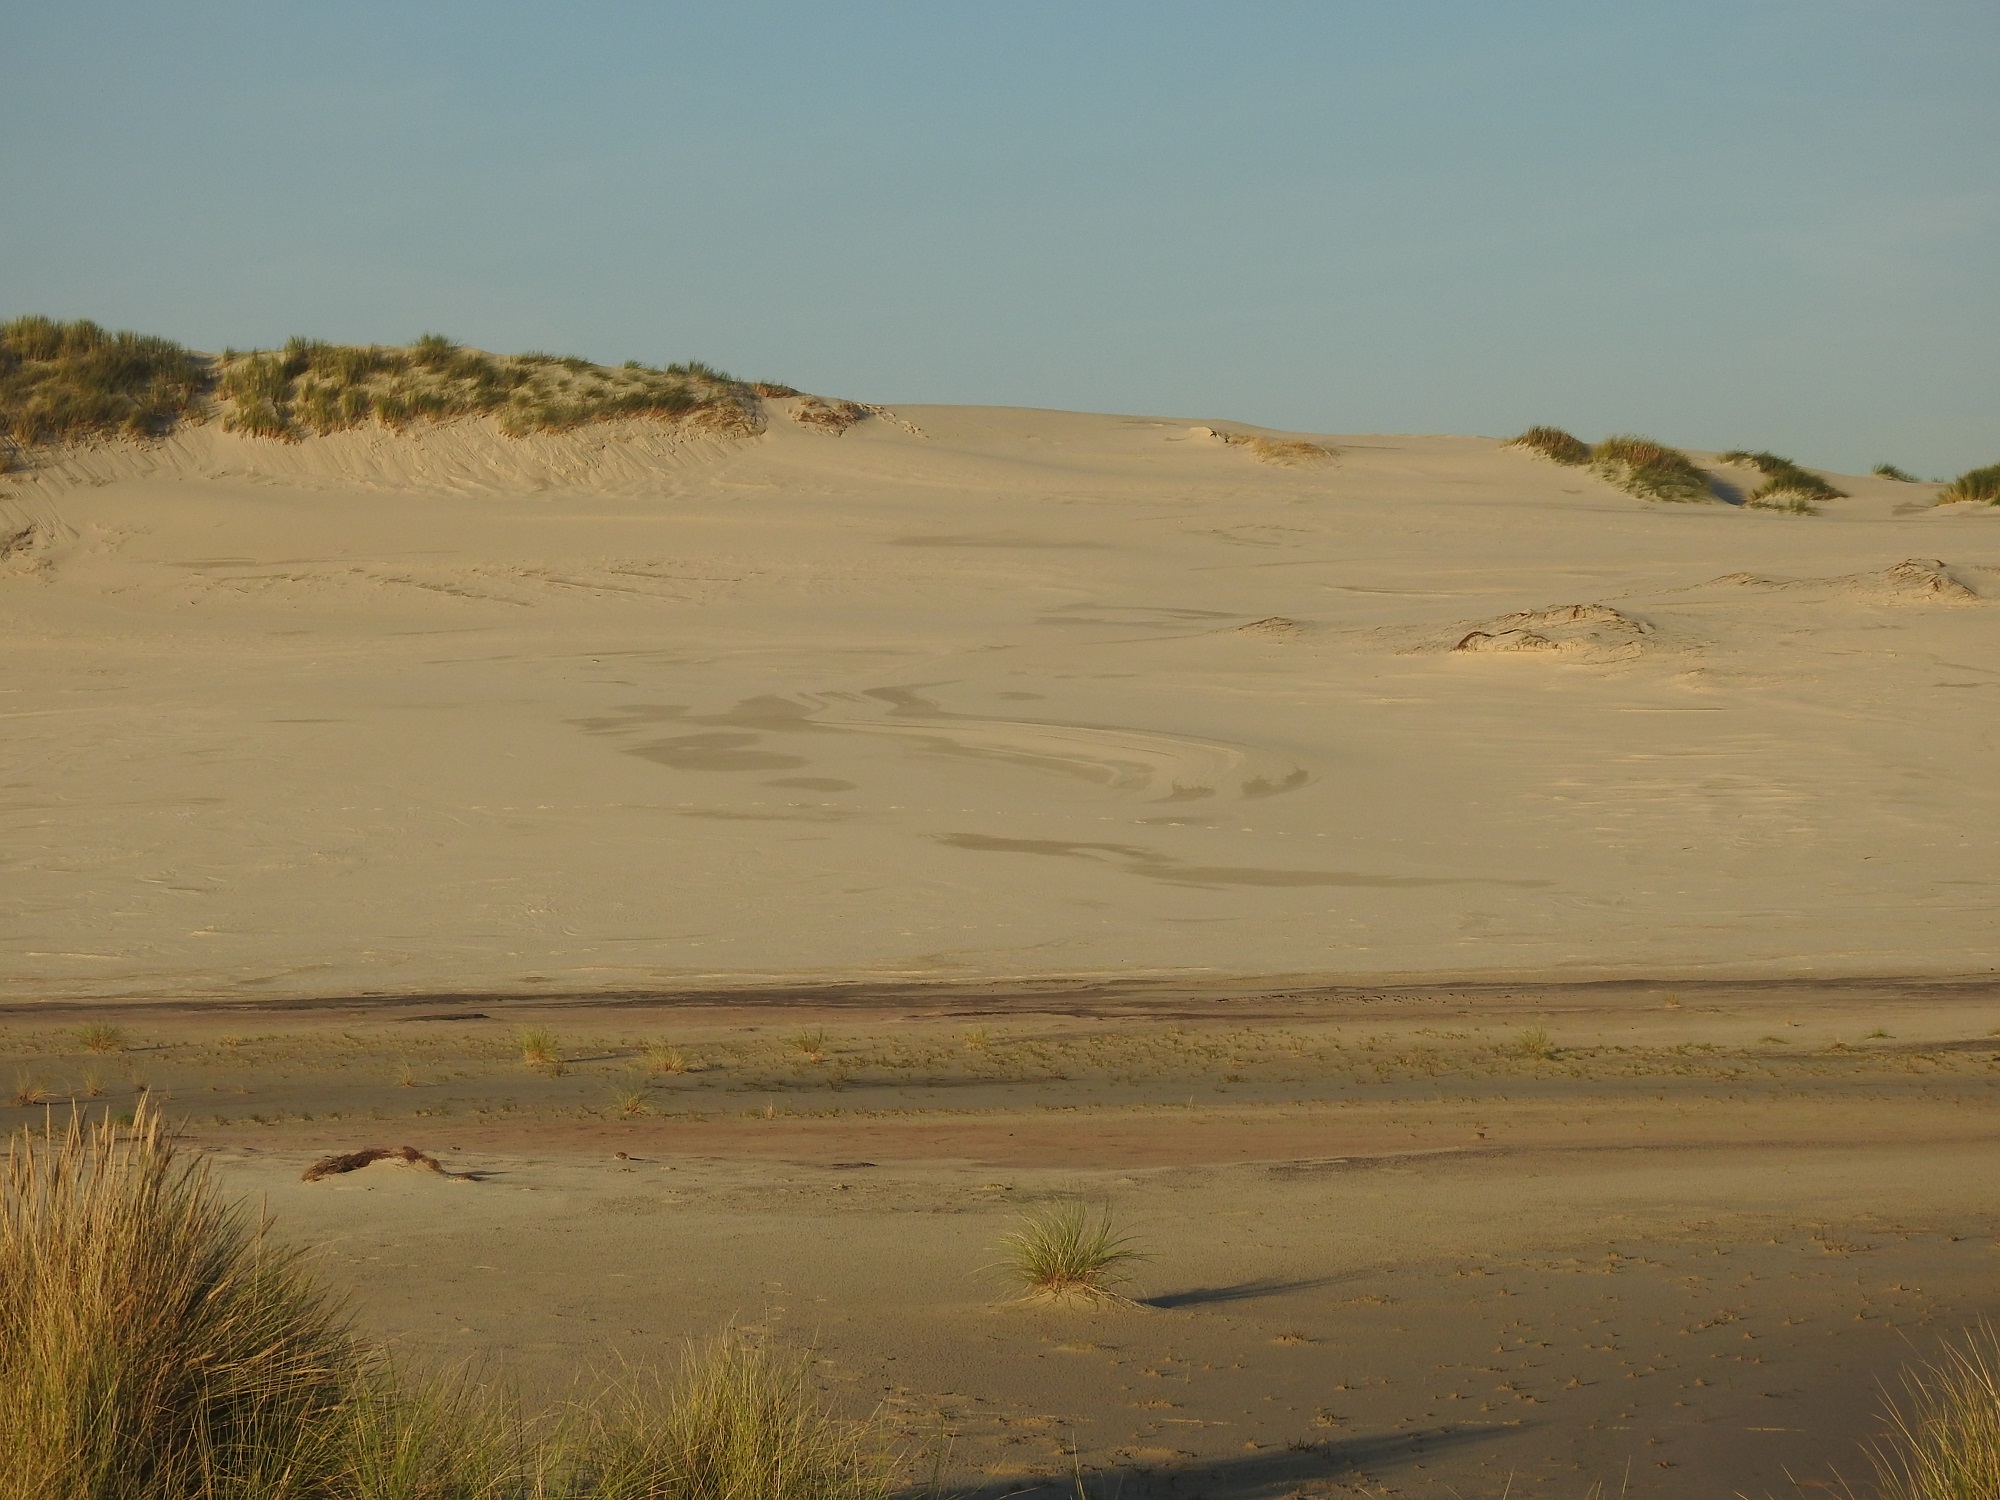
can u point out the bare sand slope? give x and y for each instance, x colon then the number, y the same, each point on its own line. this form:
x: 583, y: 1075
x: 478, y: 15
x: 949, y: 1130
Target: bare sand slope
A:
x: 966, y: 694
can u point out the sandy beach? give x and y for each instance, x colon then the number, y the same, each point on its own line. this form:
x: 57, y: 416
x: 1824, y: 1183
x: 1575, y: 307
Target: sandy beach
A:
x: 1519, y: 959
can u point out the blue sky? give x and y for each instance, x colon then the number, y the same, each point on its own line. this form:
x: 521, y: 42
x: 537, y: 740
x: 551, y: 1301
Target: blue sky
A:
x: 1762, y: 222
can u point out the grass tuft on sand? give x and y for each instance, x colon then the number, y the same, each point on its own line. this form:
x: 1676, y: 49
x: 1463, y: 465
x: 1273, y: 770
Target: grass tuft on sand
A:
x: 1786, y: 486
x: 1974, y: 484
x: 1652, y: 471
x: 155, y: 1345
x: 1553, y: 444
x: 1890, y: 471
x: 99, y: 1037
x: 540, y: 1049
x: 1068, y: 1252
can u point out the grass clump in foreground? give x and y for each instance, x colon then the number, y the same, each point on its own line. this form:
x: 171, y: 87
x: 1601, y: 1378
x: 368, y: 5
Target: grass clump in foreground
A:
x: 1066, y: 1252
x: 1973, y: 484
x: 1786, y: 486
x: 1652, y: 471
x: 1553, y: 444
x: 154, y: 1345
x: 66, y: 382
x: 1944, y: 1437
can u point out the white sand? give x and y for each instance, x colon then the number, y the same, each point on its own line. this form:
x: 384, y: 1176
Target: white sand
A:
x: 968, y: 695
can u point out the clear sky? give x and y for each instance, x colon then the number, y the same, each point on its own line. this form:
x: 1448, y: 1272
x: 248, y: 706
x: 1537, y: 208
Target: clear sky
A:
x: 1719, y: 222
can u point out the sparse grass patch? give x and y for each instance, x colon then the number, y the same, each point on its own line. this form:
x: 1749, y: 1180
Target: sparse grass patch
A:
x: 1553, y: 444
x: 1890, y: 471
x: 810, y: 1045
x: 1534, y: 1043
x: 27, y: 1091
x: 98, y: 1037
x: 662, y: 1060
x: 833, y: 417
x: 1652, y: 471
x: 1068, y: 1252
x: 629, y: 1104
x: 539, y: 1049
x: 1974, y: 484
x: 1786, y: 486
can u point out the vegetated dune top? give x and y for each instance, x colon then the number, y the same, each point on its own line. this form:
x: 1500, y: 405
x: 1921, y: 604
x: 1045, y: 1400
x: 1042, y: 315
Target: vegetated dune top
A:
x: 962, y: 694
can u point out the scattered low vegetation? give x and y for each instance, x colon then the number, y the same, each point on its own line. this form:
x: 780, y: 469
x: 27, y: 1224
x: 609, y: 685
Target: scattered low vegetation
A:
x: 98, y: 1037
x: 1534, y: 1043
x: 1286, y: 452
x: 1553, y: 444
x: 661, y: 1059
x: 1068, y: 1252
x: 1890, y: 471
x: 811, y: 1045
x: 1652, y: 471
x: 155, y: 1345
x: 311, y: 388
x: 1786, y: 486
x: 67, y: 382
x: 1973, y: 484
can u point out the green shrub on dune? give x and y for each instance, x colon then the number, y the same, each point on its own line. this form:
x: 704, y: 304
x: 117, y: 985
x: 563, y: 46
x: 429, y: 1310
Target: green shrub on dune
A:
x: 60, y: 382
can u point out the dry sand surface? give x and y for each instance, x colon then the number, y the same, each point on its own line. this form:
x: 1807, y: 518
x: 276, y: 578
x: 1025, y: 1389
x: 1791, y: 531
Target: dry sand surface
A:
x: 1520, y: 958
x: 973, y: 694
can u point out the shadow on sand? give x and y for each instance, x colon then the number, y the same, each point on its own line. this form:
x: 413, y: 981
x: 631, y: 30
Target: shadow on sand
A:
x: 1252, y: 1476
x: 1240, y: 1291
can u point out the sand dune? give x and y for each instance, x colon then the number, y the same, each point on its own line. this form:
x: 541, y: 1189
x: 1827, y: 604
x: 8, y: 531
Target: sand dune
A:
x: 918, y: 694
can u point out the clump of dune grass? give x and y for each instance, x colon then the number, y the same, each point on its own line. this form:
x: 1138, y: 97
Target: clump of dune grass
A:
x: 1652, y: 471
x: 811, y: 1045
x: 70, y: 382
x: 1553, y: 444
x: 1944, y: 1434
x: 1786, y: 486
x: 1068, y: 1252
x: 735, y: 1422
x: 662, y: 1059
x: 1973, y: 484
x: 99, y: 1037
x: 28, y: 1091
x: 152, y: 1342
x: 539, y: 1049
x: 1890, y: 471
x: 631, y: 1103
x: 156, y: 1345
x: 1285, y: 452
x: 1534, y: 1043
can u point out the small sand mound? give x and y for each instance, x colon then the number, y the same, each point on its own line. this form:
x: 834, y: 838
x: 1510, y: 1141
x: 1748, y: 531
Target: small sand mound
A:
x: 354, y: 1161
x: 830, y: 417
x: 1915, y: 580
x: 1287, y: 453
x: 1275, y: 627
x: 1593, y: 631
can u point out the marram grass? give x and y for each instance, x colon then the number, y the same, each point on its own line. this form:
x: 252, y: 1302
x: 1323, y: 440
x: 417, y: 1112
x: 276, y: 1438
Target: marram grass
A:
x: 1786, y: 486
x: 1944, y: 1435
x: 1652, y: 471
x: 156, y: 1344
x: 1973, y: 484
x: 1553, y: 444
x: 1068, y: 1252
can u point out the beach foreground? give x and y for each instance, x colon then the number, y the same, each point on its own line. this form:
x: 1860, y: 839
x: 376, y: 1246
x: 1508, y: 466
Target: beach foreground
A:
x: 1420, y: 1242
